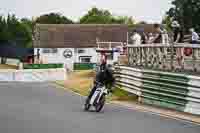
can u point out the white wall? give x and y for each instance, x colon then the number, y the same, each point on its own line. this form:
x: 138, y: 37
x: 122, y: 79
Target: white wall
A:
x: 69, y: 62
x: 57, y: 57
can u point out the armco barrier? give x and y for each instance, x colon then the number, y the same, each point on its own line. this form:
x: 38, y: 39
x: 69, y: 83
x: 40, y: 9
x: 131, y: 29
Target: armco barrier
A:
x: 170, y: 90
x: 38, y: 75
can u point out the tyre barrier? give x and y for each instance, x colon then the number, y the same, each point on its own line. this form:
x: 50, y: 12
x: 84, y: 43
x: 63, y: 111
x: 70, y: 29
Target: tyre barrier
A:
x: 170, y: 90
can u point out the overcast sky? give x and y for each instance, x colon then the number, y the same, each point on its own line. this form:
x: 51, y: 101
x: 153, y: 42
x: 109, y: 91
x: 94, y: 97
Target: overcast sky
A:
x: 146, y: 10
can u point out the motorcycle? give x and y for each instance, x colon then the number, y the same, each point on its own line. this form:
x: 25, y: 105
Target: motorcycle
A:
x: 98, y: 99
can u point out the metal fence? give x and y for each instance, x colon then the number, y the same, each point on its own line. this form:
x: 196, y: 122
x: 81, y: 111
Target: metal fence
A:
x: 165, y: 57
x: 170, y: 90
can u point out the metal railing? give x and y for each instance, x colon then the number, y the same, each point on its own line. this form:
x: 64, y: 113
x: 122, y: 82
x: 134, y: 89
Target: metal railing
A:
x: 166, y: 57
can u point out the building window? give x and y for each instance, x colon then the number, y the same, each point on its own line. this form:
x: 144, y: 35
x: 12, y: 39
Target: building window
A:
x: 50, y: 50
x: 85, y: 59
x: 81, y: 51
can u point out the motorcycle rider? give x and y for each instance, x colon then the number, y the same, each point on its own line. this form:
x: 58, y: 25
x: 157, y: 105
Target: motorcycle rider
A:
x: 103, y: 76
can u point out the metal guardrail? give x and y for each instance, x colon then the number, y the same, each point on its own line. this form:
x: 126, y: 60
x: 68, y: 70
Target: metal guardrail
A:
x: 172, y: 57
x: 169, y: 90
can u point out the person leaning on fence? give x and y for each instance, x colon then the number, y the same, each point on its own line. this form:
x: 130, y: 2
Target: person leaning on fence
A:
x: 195, y: 37
x: 136, y: 38
x: 157, y: 40
x: 143, y: 38
x: 159, y: 32
x: 178, y: 38
x: 150, y: 38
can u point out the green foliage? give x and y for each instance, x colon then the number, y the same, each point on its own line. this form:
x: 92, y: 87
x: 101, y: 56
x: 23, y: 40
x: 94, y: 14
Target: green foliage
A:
x: 42, y: 66
x: 3, y: 29
x: 11, y: 29
x: 98, y: 16
x: 187, y: 12
x: 53, y: 18
x: 167, y: 22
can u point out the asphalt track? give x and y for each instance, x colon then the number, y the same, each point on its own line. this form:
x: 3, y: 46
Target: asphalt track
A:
x: 45, y: 108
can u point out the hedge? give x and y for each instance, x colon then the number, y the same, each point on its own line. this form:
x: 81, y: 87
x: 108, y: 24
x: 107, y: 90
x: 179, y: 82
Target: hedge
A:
x: 84, y: 66
x: 42, y: 66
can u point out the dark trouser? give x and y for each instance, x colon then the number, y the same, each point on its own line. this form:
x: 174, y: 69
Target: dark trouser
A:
x: 195, y: 42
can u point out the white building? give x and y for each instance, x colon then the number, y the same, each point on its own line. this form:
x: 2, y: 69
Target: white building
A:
x: 69, y: 44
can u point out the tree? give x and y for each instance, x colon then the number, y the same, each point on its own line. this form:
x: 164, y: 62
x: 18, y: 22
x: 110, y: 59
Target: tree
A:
x: 18, y: 32
x: 96, y: 16
x: 99, y: 16
x: 167, y: 22
x: 3, y: 29
x: 186, y: 12
x: 28, y: 22
x: 12, y: 30
x: 53, y: 18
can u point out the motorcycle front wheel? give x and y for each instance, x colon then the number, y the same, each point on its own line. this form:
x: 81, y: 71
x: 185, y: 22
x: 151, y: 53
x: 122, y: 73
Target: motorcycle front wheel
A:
x: 87, y: 105
x: 101, y: 103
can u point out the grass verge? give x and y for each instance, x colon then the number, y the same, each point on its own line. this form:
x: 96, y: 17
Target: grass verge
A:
x: 5, y: 66
x: 81, y: 82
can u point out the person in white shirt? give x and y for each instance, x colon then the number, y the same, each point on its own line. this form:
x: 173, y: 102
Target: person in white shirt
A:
x: 136, y: 38
x: 195, y: 37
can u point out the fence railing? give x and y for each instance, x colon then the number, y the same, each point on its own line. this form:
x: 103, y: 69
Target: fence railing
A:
x: 169, y: 90
x: 171, y: 57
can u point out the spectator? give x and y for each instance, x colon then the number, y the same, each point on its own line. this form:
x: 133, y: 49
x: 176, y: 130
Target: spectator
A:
x: 178, y: 38
x: 136, y: 38
x: 143, y: 38
x: 178, y: 33
x: 195, y: 37
x: 165, y: 36
x: 158, y: 37
x: 150, y: 37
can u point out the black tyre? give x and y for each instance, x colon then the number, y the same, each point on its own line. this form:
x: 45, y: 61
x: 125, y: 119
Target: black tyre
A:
x: 101, y: 103
x: 87, y: 105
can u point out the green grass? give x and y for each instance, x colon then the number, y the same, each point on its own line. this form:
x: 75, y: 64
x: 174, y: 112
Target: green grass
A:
x: 122, y: 95
x: 81, y: 82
